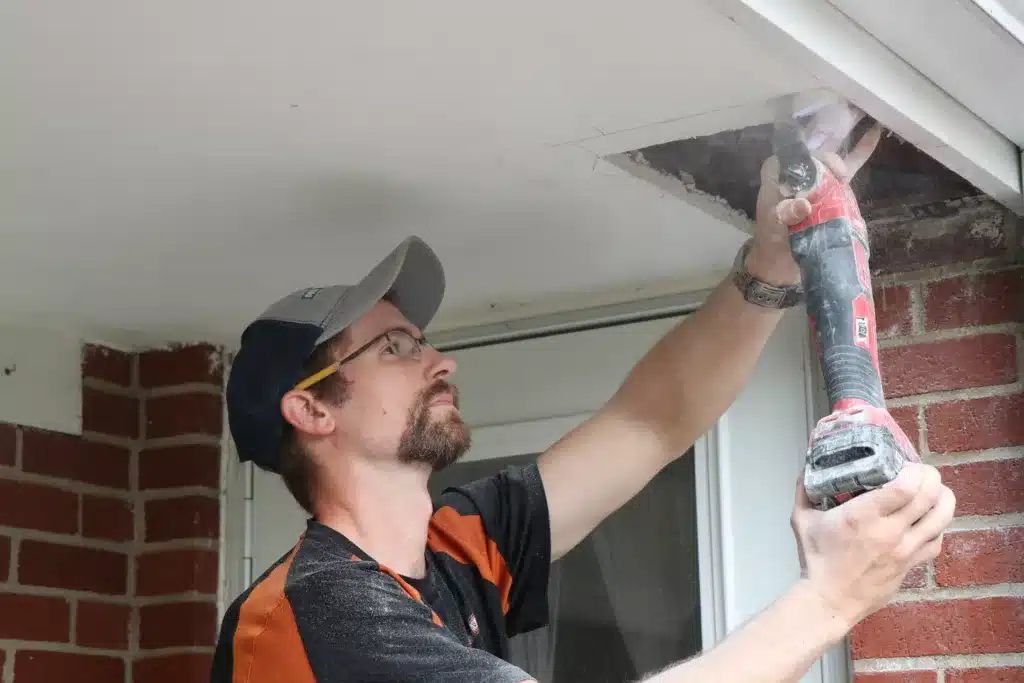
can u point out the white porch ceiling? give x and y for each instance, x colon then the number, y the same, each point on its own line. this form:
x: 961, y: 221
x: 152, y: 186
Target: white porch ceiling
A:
x: 175, y: 166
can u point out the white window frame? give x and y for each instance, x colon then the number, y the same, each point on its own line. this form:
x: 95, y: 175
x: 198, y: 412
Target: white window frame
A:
x: 718, y: 614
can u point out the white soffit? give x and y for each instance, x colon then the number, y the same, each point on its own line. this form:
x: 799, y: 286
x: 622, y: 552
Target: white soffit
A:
x: 850, y: 60
x: 971, y: 49
x: 847, y: 58
x: 959, y: 47
x: 1006, y: 15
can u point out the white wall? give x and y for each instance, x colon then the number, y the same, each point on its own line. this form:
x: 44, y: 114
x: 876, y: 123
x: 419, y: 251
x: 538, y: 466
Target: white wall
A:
x: 41, y: 379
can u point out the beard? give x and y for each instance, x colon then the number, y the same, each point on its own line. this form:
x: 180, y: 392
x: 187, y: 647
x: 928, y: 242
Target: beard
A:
x: 434, y: 441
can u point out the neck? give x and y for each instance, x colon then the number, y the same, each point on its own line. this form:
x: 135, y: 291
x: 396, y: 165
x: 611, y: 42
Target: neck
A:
x: 382, y: 507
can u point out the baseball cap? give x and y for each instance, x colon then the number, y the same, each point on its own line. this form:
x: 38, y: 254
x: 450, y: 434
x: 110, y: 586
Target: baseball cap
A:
x: 276, y: 344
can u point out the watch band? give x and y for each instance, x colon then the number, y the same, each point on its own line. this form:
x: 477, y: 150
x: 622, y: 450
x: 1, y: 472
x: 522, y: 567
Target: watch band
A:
x: 759, y: 292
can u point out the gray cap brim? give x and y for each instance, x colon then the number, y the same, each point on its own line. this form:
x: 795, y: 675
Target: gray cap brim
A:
x: 412, y: 273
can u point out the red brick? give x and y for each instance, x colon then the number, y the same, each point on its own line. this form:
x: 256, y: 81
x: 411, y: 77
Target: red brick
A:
x: 906, y: 418
x: 33, y: 617
x: 33, y: 667
x: 898, y: 677
x: 102, y: 625
x: 176, y: 571
x: 112, y: 519
x: 987, y: 299
x: 109, y: 365
x: 981, y: 557
x: 8, y: 445
x: 975, y: 424
x: 916, y: 577
x: 5, y: 558
x: 923, y: 628
x: 172, y: 466
x: 177, y: 414
x: 177, y: 624
x: 978, y: 361
x: 200, y: 363
x: 893, y: 315
x: 986, y: 488
x: 72, y: 568
x: 34, y: 506
x: 1002, y: 674
x: 183, y: 668
x: 966, y: 236
x: 71, y: 457
x: 112, y: 414
x: 185, y: 517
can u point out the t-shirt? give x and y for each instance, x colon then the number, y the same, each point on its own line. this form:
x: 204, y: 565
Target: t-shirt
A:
x: 326, y: 612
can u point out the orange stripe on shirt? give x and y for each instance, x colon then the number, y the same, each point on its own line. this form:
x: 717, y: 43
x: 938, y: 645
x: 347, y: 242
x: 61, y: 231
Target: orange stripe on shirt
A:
x: 266, y: 645
x: 464, y: 539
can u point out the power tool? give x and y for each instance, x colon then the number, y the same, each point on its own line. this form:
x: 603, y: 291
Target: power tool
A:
x: 858, y: 446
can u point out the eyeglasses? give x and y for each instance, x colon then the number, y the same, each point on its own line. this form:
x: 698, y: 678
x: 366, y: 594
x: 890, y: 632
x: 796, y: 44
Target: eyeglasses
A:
x: 400, y: 343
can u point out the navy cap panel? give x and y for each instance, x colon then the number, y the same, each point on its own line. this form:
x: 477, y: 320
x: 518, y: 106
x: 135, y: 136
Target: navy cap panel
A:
x: 267, y: 366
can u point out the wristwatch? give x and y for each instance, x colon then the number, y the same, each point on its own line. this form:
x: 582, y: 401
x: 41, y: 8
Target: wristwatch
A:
x: 759, y: 292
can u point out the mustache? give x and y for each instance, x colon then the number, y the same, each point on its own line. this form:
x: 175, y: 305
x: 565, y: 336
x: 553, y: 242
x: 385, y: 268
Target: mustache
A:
x: 438, y: 388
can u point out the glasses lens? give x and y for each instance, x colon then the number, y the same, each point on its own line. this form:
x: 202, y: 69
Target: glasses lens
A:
x: 403, y: 344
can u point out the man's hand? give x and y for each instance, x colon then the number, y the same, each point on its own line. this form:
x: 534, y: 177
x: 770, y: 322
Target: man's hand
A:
x: 856, y: 555
x: 771, y: 258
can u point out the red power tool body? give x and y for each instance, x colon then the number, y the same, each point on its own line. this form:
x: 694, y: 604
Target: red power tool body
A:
x: 858, y: 446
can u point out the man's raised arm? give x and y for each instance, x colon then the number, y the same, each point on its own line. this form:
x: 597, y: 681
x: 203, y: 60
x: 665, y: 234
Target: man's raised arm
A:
x: 683, y: 384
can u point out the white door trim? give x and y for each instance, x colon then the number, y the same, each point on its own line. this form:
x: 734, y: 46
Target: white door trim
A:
x: 235, y: 526
x: 549, y: 324
x: 711, y: 550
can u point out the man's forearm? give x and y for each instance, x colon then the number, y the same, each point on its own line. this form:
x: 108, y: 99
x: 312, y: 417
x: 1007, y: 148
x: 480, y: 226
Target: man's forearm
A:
x: 694, y: 373
x: 777, y: 646
x: 671, y: 397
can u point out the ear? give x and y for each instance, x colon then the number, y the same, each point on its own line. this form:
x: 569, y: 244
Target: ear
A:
x: 306, y: 414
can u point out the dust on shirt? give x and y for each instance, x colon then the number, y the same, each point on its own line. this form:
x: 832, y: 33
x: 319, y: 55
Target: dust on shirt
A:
x: 326, y: 612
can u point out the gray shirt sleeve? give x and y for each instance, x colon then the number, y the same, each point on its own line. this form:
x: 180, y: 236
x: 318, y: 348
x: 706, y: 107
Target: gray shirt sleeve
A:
x: 358, y: 625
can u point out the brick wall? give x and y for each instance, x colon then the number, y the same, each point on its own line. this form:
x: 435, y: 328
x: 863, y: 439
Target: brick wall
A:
x: 109, y: 541
x: 950, y: 302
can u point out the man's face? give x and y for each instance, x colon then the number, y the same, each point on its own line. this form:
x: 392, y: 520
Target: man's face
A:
x: 400, y: 405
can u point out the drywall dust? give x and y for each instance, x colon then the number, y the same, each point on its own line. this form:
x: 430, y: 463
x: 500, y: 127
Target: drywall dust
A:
x: 989, y: 228
x: 688, y: 183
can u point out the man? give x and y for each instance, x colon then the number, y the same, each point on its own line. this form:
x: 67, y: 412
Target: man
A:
x: 336, y: 390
